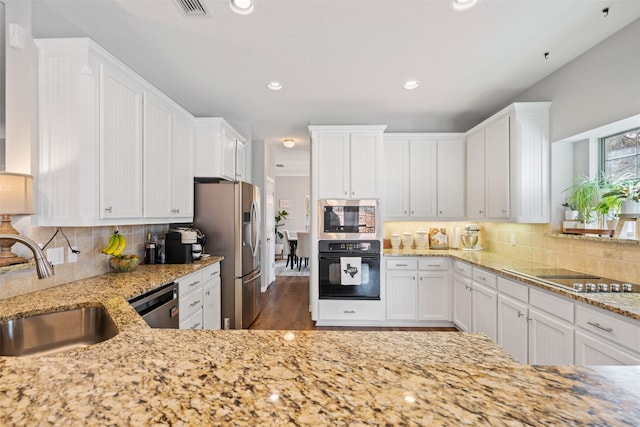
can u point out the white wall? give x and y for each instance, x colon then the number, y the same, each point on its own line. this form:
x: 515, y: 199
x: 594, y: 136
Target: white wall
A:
x: 293, y: 188
x: 599, y: 87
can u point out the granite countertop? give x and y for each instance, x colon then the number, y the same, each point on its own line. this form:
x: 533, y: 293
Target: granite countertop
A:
x: 625, y: 304
x: 147, y: 376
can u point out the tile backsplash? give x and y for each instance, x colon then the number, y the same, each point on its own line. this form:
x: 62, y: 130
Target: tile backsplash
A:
x: 20, y: 279
x: 537, y: 243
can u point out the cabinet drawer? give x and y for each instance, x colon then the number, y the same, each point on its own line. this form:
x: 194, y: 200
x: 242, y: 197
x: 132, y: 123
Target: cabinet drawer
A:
x: 190, y: 283
x: 600, y: 323
x: 486, y: 278
x: 462, y: 268
x: 211, y: 272
x: 402, y: 264
x: 192, y: 322
x: 350, y: 310
x: 191, y: 303
x: 433, y: 263
x: 557, y: 306
x: 513, y: 289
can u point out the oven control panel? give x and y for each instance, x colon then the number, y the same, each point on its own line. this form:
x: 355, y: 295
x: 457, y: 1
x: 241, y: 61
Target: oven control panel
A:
x: 352, y: 246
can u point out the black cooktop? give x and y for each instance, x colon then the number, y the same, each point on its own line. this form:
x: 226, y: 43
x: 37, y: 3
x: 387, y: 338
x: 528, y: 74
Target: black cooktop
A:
x: 575, y: 280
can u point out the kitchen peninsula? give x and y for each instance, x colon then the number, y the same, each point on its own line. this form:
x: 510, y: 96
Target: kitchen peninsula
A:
x: 144, y: 376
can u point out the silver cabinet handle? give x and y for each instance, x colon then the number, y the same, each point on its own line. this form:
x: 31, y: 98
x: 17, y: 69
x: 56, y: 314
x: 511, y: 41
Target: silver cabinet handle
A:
x: 482, y: 278
x: 108, y: 210
x: 345, y: 193
x: 520, y: 314
x: 175, y: 211
x: 349, y: 311
x: 195, y: 326
x: 433, y: 265
x: 402, y: 265
x: 597, y: 325
x: 481, y: 212
x: 208, y: 292
x: 504, y: 211
x: 440, y: 212
x: 194, y: 283
x: 193, y: 304
x: 412, y: 212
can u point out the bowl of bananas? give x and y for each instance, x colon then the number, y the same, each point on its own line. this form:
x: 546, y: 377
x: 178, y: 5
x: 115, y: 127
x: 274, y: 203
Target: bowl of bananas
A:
x: 124, y: 263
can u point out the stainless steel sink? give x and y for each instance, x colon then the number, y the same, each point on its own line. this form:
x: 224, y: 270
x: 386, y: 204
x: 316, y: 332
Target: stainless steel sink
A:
x: 50, y: 333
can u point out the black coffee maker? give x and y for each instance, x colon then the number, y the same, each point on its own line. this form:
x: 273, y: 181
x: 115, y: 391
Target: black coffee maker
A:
x: 178, y: 247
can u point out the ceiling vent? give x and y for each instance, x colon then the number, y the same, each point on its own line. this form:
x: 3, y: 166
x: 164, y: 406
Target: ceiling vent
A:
x: 191, y: 8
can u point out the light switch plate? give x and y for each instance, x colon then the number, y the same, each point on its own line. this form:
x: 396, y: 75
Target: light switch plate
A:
x: 55, y: 256
x: 71, y: 257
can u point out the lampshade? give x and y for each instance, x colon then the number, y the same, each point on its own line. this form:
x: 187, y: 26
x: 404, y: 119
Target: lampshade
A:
x: 16, y: 196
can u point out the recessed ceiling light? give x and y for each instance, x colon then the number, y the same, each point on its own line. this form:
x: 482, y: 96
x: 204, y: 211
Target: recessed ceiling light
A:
x: 289, y: 143
x: 411, y: 84
x: 275, y: 85
x: 241, y: 7
x: 462, y: 4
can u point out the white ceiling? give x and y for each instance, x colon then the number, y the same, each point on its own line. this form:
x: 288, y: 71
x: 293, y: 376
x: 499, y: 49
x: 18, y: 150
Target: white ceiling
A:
x: 341, y: 61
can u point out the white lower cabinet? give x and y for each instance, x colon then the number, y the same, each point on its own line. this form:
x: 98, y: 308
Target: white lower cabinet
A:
x: 462, y: 302
x: 550, y: 339
x: 484, y: 310
x: 418, y: 290
x: 200, y: 299
x: 355, y: 312
x: 593, y: 350
x: 513, y: 327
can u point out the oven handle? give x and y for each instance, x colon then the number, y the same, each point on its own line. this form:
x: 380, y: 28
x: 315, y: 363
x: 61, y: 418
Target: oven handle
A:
x: 375, y: 257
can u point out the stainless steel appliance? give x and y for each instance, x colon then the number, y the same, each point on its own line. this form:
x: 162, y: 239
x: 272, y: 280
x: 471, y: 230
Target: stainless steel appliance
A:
x: 575, y: 280
x: 348, y: 219
x: 159, y: 308
x: 335, y: 265
x: 228, y: 214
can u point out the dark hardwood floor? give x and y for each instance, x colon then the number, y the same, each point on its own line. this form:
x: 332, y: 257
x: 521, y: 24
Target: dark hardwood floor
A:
x: 285, y: 305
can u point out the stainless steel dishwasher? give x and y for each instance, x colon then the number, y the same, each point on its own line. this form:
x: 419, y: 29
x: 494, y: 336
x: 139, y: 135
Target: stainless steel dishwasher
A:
x: 159, y: 308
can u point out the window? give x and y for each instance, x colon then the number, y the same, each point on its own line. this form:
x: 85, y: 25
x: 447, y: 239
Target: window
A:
x: 621, y: 154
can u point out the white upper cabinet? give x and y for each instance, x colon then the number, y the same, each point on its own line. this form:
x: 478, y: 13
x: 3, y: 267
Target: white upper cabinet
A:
x: 424, y: 176
x: 347, y: 161
x: 94, y: 166
x: 219, y: 150
x: 508, y: 165
x: 168, y: 161
x: 451, y: 177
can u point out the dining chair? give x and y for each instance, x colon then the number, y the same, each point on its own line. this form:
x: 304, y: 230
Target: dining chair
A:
x: 303, y: 251
x: 288, y: 249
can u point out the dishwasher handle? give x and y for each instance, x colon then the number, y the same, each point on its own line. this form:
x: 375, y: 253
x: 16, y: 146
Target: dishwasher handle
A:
x: 158, y: 297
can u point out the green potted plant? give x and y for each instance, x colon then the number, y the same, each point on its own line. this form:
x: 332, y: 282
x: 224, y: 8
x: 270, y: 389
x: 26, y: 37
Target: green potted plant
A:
x: 584, y: 194
x: 627, y: 192
x: 280, y: 217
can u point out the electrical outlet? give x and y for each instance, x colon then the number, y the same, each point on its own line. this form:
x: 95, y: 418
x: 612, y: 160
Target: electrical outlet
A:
x: 71, y: 257
x: 513, y: 240
x: 55, y: 256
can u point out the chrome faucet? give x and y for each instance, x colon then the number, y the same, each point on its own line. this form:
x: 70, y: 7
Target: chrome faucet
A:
x: 43, y: 267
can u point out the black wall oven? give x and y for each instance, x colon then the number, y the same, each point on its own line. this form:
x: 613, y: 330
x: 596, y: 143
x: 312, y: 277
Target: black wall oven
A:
x: 349, y: 269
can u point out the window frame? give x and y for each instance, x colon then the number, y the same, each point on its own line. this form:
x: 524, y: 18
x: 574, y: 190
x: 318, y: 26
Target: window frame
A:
x: 602, y: 148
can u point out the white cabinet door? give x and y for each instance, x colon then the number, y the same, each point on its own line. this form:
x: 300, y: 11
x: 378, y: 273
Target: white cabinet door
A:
x: 333, y: 158
x: 158, y: 155
x: 592, y: 350
x: 228, y: 155
x: 484, y: 311
x: 513, y: 327
x: 396, y: 178
x: 182, y: 168
x: 451, y: 178
x: 365, y: 151
x: 423, y: 183
x: 497, y: 168
x: 475, y: 175
x: 401, y: 291
x: 211, y: 307
x: 550, y: 339
x: 462, y: 302
x: 433, y: 295
x: 120, y: 145
x: 240, y: 160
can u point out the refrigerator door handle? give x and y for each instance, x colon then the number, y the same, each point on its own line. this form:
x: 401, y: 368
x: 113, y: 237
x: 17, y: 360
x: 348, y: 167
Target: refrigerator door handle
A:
x: 255, y: 228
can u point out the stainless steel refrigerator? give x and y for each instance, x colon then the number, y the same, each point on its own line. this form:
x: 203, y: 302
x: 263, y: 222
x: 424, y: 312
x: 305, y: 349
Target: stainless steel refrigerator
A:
x: 228, y: 213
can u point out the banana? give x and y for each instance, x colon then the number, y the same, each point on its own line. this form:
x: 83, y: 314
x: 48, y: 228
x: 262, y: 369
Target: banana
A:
x: 122, y: 242
x: 112, y: 244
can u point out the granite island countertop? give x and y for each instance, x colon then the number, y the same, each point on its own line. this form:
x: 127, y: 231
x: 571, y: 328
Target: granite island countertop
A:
x: 625, y: 304
x: 147, y: 376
